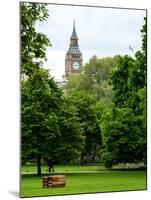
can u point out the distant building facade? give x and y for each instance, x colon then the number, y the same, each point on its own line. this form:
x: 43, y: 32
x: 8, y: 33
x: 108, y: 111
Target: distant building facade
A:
x: 73, y: 59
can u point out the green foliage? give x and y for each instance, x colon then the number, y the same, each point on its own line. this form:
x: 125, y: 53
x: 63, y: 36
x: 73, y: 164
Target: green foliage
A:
x: 138, y: 74
x: 73, y: 84
x: 91, y: 92
x: 120, y: 81
x: 94, y: 78
x: 99, y: 69
x: 107, y: 158
x: 72, y: 139
x: 33, y: 44
x: 123, y: 137
x: 50, y: 126
x: 41, y: 100
x: 129, y: 76
x: 89, y: 113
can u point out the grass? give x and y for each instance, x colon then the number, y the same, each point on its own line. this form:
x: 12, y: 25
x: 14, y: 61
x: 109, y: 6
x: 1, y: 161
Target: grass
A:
x: 29, y: 168
x: 60, y: 168
x: 91, y: 182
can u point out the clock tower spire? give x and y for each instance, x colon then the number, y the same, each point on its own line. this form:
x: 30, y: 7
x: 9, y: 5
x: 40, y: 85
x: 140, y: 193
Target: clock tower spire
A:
x: 73, y: 58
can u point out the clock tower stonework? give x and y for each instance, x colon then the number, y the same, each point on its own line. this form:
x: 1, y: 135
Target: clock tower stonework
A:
x: 73, y: 59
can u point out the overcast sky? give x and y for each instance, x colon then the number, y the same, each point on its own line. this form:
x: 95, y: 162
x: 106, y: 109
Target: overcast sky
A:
x: 101, y: 31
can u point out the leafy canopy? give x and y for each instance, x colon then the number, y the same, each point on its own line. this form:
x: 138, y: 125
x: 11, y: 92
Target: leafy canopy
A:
x: 33, y: 43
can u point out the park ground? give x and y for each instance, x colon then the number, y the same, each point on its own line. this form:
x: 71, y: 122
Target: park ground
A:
x: 83, y: 179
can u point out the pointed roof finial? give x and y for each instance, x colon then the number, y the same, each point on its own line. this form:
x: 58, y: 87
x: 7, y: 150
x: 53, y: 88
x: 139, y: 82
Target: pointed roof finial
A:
x: 74, y: 34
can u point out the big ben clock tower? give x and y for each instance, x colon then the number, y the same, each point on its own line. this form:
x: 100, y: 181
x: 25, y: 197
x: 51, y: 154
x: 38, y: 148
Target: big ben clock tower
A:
x: 73, y: 58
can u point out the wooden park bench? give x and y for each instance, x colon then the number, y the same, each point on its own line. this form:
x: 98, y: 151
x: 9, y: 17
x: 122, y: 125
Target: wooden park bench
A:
x: 54, y: 181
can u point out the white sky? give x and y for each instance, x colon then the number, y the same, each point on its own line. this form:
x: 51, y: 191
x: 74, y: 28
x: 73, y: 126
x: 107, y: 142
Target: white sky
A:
x: 101, y: 31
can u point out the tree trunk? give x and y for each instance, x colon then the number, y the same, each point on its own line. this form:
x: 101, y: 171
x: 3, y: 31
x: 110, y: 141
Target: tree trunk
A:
x: 39, y: 164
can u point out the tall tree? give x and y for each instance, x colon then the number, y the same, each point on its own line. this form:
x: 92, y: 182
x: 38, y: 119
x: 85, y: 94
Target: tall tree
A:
x: 50, y: 125
x: 35, y: 88
x: 41, y: 100
x: 33, y: 43
x: 33, y: 46
x: 123, y: 137
x: 127, y: 118
x: 50, y: 128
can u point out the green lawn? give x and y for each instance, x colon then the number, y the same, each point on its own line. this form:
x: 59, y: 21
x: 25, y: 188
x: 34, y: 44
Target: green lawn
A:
x: 60, y: 168
x: 29, y: 168
x: 103, y: 181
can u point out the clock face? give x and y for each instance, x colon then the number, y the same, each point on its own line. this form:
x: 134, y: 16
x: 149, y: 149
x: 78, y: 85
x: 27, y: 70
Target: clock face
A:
x: 76, y: 65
